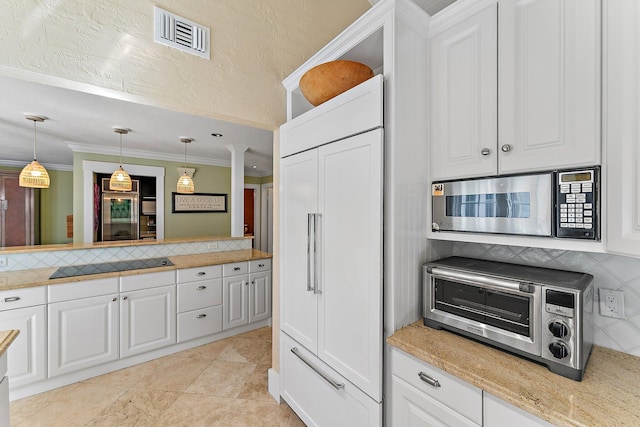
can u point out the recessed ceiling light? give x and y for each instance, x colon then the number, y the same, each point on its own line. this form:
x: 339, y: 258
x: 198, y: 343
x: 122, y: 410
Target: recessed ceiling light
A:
x: 216, y: 135
x: 254, y: 166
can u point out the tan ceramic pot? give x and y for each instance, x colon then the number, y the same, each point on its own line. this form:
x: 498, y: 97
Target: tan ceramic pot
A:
x: 330, y: 79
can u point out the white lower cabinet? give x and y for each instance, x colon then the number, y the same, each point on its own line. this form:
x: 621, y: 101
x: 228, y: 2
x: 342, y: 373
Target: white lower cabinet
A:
x: 199, y: 302
x: 259, y: 296
x: 247, y: 297
x: 25, y: 310
x: 82, y: 333
x: 498, y: 413
x: 319, y: 395
x: 147, y: 320
x: 235, y: 295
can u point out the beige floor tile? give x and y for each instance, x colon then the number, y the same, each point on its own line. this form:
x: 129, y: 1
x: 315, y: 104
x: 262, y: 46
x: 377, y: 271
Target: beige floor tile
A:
x: 196, y: 410
x: 73, y: 405
x: 266, y: 360
x: 256, y: 387
x: 257, y: 413
x: 172, y: 373
x: 208, y: 351
x: 137, y: 407
x: 260, y: 334
x: 222, y: 378
x: 246, y: 350
x: 127, y: 377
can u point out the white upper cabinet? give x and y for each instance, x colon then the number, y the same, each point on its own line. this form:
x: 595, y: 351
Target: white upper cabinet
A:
x: 464, y: 95
x: 621, y: 118
x: 548, y: 87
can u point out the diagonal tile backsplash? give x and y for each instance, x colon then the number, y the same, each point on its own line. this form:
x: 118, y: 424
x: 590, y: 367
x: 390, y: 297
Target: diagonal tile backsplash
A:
x: 609, y: 271
x: 63, y: 258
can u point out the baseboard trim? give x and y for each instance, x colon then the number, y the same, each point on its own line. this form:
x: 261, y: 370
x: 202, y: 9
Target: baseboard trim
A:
x: 274, y: 384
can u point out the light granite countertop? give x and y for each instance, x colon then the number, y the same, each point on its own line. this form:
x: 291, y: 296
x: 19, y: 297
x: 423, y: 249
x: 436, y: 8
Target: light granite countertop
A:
x: 6, y: 338
x: 608, y: 395
x: 40, y: 276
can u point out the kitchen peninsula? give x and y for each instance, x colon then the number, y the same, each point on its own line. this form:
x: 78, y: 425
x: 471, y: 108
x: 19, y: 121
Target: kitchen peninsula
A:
x: 73, y: 328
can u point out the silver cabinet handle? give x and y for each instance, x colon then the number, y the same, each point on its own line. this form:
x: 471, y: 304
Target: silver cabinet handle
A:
x: 201, y: 273
x: 201, y: 288
x: 485, y: 151
x: 331, y: 381
x: 316, y: 254
x: 236, y: 268
x: 114, y: 299
x: 201, y: 316
x: 506, y: 148
x: 309, y: 226
x: 125, y: 298
x: 429, y: 380
x: 260, y: 265
x: 12, y: 299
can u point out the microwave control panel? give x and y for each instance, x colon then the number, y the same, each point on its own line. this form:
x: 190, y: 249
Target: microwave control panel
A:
x: 577, y: 204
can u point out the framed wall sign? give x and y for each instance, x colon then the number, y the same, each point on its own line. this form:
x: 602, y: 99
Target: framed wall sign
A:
x: 198, y: 202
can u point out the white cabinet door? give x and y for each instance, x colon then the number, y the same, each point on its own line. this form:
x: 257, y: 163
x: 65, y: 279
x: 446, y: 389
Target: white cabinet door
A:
x: 621, y: 118
x: 498, y: 413
x: 82, y: 333
x: 28, y: 353
x: 464, y: 97
x: 235, y: 294
x: 549, y: 84
x: 349, y: 238
x: 259, y: 296
x: 298, y: 199
x: 411, y: 407
x: 148, y: 320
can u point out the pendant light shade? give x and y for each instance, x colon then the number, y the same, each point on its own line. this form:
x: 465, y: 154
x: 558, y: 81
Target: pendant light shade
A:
x: 120, y: 179
x: 185, y: 183
x: 34, y: 175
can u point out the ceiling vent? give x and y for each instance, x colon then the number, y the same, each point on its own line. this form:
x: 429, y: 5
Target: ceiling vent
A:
x: 174, y: 31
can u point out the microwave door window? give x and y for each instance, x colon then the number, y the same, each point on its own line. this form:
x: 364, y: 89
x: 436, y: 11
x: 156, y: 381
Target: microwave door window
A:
x: 500, y: 309
x: 492, y: 205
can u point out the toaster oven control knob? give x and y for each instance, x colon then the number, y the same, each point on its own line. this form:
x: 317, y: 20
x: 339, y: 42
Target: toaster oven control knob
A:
x: 558, y: 329
x: 559, y: 350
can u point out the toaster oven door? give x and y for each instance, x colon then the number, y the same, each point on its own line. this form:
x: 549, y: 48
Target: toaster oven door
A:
x: 498, y: 310
x: 506, y: 205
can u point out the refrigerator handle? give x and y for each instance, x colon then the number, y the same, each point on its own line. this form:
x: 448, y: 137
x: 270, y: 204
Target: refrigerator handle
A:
x: 310, y: 223
x: 316, y: 254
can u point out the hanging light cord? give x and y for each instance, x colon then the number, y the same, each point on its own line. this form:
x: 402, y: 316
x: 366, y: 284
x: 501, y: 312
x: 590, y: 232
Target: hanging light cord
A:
x: 120, y: 148
x: 185, y: 156
x: 34, y: 139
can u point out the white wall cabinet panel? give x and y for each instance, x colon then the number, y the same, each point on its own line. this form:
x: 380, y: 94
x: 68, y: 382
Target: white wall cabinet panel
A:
x: 148, y: 320
x: 498, y: 413
x: 235, y: 296
x: 549, y: 84
x: 621, y: 118
x: 464, y: 97
x: 28, y: 353
x: 82, y: 333
x: 299, y: 198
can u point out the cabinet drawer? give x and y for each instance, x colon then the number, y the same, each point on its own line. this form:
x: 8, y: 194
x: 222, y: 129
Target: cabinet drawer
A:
x: 199, y: 273
x: 235, y: 268
x: 26, y: 297
x: 259, y: 265
x: 199, y: 323
x: 204, y: 293
x: 82, y: 289
x: 147, y: 280
x: 315, y: 399
x: 458, y: 395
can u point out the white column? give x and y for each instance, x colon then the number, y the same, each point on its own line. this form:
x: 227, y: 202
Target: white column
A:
x: 237, y: 189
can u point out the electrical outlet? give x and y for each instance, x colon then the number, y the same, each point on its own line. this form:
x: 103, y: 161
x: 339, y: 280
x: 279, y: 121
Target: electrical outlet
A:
x: 611, y: 303
x: 213, y: 245
x: 3, y: 261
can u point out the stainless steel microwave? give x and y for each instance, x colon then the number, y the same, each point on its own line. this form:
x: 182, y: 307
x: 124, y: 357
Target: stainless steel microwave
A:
x: 563, y: 204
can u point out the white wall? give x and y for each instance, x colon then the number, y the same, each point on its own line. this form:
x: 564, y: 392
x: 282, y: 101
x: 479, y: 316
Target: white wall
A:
x: 109, y: 45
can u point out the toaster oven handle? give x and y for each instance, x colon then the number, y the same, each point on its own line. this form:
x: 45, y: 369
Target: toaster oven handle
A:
x: 476, y: 279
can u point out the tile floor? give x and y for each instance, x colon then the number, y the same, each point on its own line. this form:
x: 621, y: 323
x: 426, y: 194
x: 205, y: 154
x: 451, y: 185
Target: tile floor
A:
x: 219, y: 384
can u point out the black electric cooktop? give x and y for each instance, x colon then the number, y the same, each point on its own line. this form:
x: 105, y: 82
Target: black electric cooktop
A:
x: 109, y: 267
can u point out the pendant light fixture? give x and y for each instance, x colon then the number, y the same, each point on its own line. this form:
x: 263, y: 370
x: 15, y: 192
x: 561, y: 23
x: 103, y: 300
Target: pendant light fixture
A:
x: 185, y: 183
x: 120, y: 179
x: 34, y: 175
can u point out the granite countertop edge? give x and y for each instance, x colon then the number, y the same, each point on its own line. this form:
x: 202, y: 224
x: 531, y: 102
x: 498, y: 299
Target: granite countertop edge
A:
x: 6, y: 338
x: 21, y: 279
x: 607, y: 395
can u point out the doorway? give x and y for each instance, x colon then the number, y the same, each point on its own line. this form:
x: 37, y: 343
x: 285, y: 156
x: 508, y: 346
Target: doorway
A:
x: 252, y: 213
x: 17, y: 211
